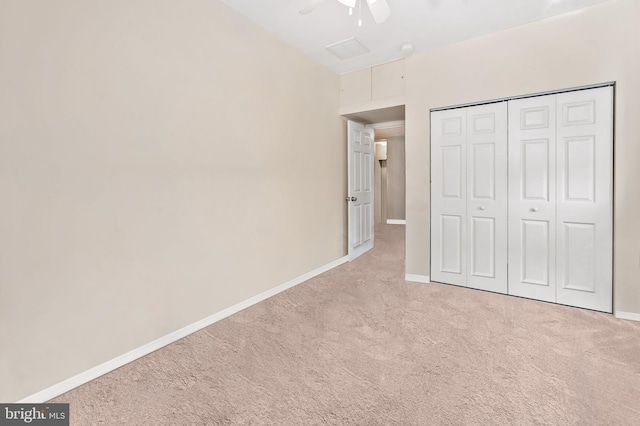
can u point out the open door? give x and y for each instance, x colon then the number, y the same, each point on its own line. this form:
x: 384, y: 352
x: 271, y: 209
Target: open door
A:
x: 360, y: 195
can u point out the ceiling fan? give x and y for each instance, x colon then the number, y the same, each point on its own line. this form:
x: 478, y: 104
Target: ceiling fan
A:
x: 379, y: 8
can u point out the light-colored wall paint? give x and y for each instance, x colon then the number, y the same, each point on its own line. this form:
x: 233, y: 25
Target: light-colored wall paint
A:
x: 377, y: 187
x: 395, y: 181
x: 594, y: 45
x: 159, y: 162
x: 395, y: 178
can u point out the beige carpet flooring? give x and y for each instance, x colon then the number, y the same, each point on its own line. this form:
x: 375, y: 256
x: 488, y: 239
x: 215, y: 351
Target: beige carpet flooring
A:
x: 360, y: 346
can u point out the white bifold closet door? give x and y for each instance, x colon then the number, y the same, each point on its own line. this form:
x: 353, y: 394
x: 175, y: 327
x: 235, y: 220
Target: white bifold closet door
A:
x: 561, y: 198
x: 522, y: 197
x: 469, y: 197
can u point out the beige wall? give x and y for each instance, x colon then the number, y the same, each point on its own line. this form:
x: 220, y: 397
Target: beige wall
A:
x: 395, y: 178
x: 377, y: 187
x: 597, y: 44
x: 159, y: 162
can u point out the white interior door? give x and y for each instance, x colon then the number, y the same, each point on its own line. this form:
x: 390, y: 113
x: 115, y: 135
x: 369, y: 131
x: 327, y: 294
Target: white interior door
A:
x: 448, y: 196
x: 360, y: 196
x: 487, y: 197
x: 584, y: 198
x: 532, y: 206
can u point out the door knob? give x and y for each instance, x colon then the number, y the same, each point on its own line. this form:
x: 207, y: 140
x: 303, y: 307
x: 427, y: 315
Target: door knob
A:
x: 354, y: 198
x: 534, y: 209
x: 481, y: 208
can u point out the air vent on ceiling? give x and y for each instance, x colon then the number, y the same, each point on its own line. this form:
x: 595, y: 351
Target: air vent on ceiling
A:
x: 346, y: 49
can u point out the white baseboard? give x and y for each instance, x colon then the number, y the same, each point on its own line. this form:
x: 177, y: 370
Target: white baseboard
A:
x: 417, y: 278
x: 627, y: 315
x: 119, y: 361
x: 396, y: 222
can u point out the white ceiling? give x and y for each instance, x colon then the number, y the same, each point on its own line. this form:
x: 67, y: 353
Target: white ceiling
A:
x: 426, y: 24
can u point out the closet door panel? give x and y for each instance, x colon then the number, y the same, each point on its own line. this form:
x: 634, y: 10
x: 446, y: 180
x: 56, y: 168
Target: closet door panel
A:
x: 487, y: 197
x: 448, y: 196
x: 584, y: 198
x: 532, y: 193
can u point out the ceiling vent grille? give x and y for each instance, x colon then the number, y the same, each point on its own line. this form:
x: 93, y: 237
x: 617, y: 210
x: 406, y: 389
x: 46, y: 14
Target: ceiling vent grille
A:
x: 348, y: 48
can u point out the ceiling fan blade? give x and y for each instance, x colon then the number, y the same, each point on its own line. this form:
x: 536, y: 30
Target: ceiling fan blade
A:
x: 310, y: 7
x: 380, y: 10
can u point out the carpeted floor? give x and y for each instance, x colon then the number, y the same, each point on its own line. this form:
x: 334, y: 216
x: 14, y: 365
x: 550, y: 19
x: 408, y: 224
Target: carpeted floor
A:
x: 360, y: 346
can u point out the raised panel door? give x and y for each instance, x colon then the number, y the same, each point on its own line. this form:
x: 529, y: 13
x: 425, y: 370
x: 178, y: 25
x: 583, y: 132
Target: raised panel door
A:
x: 360, y: 195
x: 532, y: 207
x: 487, y: 197
x: 584, y: 198
x: 448, y: 196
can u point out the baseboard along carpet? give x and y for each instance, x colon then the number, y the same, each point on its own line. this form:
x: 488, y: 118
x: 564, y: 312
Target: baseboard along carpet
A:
x: 358, y: 345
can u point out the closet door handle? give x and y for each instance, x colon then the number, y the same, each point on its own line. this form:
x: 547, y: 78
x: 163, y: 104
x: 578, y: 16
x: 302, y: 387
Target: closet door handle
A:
x: 481, y: 208
x: 534, y: 209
